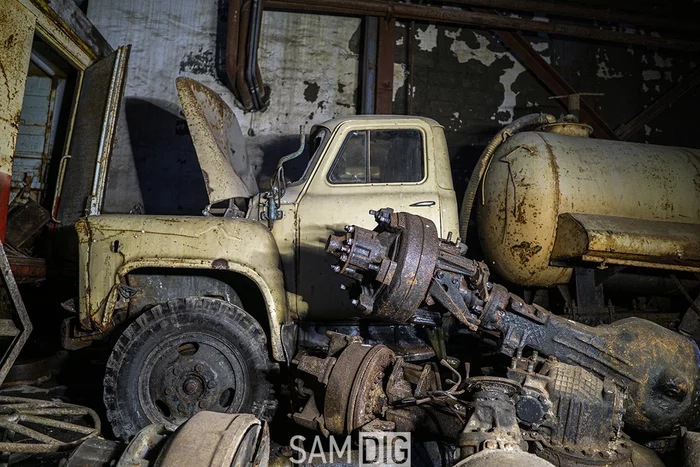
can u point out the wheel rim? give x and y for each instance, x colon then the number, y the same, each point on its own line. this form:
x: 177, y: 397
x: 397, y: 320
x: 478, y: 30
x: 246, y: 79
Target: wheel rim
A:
x: 189, y: 372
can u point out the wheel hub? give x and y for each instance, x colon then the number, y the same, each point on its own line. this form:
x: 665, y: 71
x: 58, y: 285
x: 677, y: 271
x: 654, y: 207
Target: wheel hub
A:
x: 193, y: 386
x: 183, y: 378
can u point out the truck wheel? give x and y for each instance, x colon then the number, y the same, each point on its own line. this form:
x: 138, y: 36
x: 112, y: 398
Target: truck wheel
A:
x: 185, y: 356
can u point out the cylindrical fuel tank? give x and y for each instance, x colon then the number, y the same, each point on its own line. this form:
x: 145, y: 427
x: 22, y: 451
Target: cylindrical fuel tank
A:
x: 534, y: 177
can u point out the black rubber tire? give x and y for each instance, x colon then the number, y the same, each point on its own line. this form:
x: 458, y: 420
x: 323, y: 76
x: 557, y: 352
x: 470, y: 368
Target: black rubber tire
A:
x: 227, y: 323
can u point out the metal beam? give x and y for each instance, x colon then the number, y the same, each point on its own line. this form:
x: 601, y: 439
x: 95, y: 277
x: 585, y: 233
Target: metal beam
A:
x: 369, y: 65
x: 625, y: 131
x: 470, y: 18
x: 573, y: 10
x: 385, y: 66
x: 534, y: 62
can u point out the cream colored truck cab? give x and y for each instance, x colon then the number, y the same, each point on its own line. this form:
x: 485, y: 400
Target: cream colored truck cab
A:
x: 268, y: 260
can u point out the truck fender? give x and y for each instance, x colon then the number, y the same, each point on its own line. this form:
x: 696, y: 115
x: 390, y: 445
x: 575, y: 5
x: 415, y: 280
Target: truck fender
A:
x: 112, y: 246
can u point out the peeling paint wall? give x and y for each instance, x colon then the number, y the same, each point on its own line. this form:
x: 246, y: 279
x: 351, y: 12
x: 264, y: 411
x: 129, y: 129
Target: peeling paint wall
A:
x: 310, y: 63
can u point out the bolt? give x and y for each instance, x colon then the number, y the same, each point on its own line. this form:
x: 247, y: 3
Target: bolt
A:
x: 181, y: 408
x: 455, y: 281
x: 345, y: 249
x: 355, y: 302
x: 517, y: 305
x: 343, y: 287
x: 343, y: 257
x: 211, y: 384
x: 202, y: 405
x: 372, y: 212
x: 349, y: 228
x: 169, y: 391
x: 349, y: 241
x: 335, y: 268
x: 440, y: 274
x: 199, y: 368
x: 176, y: 371
x: 192, y: 386
x: 489, y: 286
x: 373, y: 267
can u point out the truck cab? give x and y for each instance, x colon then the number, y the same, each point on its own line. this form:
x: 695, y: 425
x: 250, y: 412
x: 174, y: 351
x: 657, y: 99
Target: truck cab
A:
x: 357, y: 162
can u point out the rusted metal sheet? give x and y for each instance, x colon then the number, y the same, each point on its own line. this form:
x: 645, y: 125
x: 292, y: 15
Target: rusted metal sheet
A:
x: 62, y: 29
x: 656, y: 244
x: 24, y: 223
x: 16, y: 35
x: 109, y: 122
x: 66, y: 15
x: 458, y: 16
x: 536, y: 177
x: 219, y: 142
x: 101, y: 90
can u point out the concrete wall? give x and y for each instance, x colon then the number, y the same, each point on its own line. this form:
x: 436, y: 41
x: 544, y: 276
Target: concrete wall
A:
x: 464, y: 78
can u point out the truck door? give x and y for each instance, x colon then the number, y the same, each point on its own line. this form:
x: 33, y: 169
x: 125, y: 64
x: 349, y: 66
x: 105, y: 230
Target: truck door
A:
x: 380, y: 164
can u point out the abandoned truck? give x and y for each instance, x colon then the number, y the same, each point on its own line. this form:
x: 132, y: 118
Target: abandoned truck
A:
x: 206, y: 307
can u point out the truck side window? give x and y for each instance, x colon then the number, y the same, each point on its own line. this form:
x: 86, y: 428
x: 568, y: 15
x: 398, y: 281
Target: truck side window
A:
x: 351, y: 164
x: 392, y: 156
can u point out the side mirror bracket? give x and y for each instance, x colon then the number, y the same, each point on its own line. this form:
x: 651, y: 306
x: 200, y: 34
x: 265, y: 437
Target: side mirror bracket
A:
x: 279, y: 184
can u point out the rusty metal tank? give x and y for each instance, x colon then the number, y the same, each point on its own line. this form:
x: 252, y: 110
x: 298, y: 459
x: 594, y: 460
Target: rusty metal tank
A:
x: 549, y: 200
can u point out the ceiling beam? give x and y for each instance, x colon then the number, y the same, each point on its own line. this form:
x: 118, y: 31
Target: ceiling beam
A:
x: 627, y: 130
x: 471, y: 18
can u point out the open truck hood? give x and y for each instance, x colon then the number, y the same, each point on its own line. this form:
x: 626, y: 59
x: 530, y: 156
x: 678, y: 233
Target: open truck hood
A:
x: 218, y: 141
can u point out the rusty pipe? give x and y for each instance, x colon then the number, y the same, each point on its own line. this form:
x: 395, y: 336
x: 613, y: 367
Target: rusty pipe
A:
x: 234, y: 9
x: 252, y: 72
x: 244, y: 21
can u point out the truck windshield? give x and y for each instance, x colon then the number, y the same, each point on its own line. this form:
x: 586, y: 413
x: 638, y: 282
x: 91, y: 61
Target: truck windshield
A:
x: 316, y: 142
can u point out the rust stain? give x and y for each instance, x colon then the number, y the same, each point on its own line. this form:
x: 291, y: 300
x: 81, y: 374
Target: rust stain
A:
x: 526, y: 250
x: 206, y: 181
x: 60, y: 24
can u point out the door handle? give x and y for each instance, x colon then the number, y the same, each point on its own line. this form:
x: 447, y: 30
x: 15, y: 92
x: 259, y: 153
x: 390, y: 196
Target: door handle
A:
x: 423, y: 204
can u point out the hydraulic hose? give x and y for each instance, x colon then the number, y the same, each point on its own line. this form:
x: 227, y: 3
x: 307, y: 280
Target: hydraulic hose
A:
x: 485, y: 159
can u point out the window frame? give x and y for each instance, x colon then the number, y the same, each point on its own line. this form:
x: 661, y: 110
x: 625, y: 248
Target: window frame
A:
x: 368, y: 138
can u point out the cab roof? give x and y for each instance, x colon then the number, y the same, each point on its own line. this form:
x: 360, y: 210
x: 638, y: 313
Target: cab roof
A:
x: 333, y: 123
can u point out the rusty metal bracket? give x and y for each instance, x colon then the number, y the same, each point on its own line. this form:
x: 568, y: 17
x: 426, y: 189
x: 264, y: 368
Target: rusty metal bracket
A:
x: 25, y: 417
x: 16, y: 324
x: 59, y: 186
